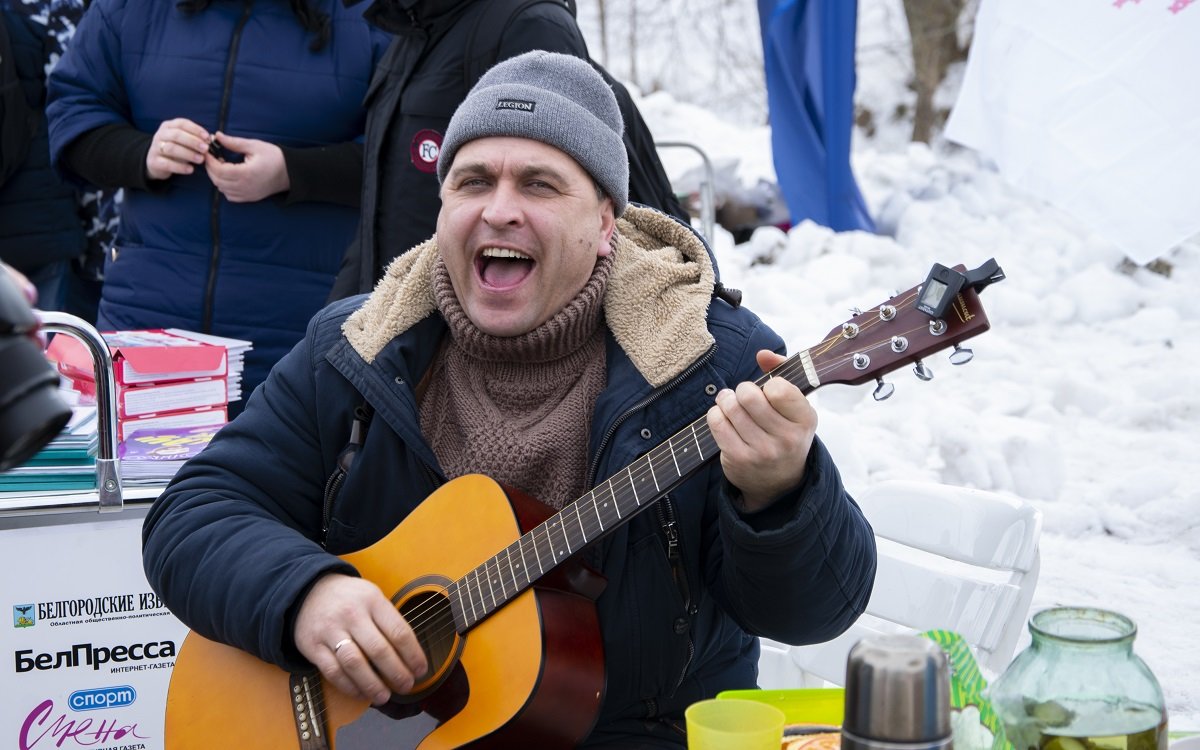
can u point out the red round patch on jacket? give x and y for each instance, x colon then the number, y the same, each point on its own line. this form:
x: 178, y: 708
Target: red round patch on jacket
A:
x: 424, y: 150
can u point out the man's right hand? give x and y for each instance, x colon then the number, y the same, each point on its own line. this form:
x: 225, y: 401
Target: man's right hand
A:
x: 355, y: 636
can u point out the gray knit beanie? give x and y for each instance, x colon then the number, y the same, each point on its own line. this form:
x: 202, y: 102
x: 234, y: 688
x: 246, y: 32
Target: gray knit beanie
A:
x: 557, y: 99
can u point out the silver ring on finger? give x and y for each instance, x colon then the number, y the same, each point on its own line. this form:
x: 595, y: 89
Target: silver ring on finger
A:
x: 338, y: 646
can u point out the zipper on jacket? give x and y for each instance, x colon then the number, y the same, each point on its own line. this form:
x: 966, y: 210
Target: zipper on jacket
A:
x: 654, y: 395
x: 666, y: 518
x: 333, y: 486
x: 210, y: 287
x: 358, y: 430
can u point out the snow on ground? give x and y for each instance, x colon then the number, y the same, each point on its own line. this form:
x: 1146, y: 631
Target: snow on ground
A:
x: 1080, y: 398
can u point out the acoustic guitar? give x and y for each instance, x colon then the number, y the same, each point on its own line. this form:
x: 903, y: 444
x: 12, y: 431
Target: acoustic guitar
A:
x: 501, y: 605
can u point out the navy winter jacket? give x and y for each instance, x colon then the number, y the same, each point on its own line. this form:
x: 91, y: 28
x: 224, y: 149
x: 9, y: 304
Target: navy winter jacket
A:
x: 185, y: 256
x: 232, y: 544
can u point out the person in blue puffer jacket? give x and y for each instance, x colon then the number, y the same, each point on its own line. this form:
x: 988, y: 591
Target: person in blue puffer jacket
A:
x: 235, y: 128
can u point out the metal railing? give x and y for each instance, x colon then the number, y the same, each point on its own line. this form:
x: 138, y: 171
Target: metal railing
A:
x: 708, y: 196
x: 107, y: 497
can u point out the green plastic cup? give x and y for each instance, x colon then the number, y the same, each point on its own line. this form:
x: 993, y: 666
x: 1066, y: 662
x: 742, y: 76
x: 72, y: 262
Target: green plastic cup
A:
x: 733, y: 725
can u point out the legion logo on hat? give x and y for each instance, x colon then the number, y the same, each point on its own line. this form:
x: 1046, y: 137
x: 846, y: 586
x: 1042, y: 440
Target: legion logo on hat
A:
x: 424, y: 150
x: 520, y: 105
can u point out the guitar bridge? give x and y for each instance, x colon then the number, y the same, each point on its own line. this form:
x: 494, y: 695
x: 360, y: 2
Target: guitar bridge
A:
x: 308, y: 710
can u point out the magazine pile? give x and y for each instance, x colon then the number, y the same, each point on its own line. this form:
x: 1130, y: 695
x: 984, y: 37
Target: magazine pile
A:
x: 66, y: 463
x: 153, y: 456
x: 173, y: 388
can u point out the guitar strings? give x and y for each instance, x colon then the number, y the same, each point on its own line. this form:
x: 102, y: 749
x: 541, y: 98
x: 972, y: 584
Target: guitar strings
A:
x: 540, y: 536
x: 543, y: 541
x: 435, y: 619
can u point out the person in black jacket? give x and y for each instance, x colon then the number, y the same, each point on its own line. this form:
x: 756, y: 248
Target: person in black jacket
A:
x: 49, y: 230
x: 418, y: 84
x: 440, y: 49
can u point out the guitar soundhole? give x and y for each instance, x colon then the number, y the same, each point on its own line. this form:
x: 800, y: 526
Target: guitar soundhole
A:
x: 429, y: 614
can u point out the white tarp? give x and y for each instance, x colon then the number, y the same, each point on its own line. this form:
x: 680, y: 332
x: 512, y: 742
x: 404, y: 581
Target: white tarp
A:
x: 1094, y: 106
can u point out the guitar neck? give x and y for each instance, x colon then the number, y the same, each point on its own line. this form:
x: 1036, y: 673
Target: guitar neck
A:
x: 602, y: 510
x: 862, y: 348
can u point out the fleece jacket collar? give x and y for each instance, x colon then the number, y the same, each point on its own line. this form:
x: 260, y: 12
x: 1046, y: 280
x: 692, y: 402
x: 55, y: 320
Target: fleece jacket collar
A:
x: 658, y: 293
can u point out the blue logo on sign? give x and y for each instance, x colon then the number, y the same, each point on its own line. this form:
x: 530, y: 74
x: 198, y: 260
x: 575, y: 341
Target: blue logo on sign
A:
x: 107, y: 697
x: 23, y: 616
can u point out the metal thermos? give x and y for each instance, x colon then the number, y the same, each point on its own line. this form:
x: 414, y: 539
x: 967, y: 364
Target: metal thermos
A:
x: 897, y: 695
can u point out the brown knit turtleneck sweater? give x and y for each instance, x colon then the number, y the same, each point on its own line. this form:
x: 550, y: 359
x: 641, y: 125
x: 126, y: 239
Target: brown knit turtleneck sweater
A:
x: 518, y: 409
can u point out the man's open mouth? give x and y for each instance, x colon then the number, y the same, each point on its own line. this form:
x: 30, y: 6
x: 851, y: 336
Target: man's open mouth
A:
x: 502, y: 268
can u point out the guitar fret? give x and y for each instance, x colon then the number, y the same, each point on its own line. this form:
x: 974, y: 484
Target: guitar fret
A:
x: 538, y: 555
x: 629, y: 472
x: 563, y: 533
x: 653, y: 476
x: 487, y: 579
x: 457, y: 613
x: 479, y: 587
x: 491, y: 583
x: 671, y: 447
x: 470, y: 600
x: 695, y: 437
x: 616, y: 503
x: 596, y: 508
x: 522, y: 564
x: 511, y: 571
x: 579, y: 520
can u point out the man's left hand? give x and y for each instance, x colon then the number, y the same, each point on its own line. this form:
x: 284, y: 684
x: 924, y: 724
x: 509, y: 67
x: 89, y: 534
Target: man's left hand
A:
x: 764, y: 435
x: 262, y: 172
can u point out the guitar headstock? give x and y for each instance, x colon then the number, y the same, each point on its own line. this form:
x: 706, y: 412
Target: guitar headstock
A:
x: 893, y: 334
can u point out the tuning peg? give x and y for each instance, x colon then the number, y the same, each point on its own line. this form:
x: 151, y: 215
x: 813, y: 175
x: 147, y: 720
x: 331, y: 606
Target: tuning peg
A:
x: 961, y: 355
x: 856, y: 311
x: 922, y: 372
x: 883, y: 391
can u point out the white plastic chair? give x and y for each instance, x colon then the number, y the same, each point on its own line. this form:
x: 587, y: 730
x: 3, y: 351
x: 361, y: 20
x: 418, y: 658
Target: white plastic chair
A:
x: 949, y: 558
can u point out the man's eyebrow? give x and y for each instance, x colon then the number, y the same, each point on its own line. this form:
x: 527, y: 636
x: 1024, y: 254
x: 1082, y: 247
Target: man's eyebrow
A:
x: 528, y: 172
x: 475, y: 168
x: 537, y: 170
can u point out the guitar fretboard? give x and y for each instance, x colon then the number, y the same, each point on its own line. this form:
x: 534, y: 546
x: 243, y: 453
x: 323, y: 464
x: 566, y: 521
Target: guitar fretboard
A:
x: 613, y: 502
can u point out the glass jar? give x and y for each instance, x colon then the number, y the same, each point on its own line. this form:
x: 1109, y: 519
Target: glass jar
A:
x: 1079, y: 686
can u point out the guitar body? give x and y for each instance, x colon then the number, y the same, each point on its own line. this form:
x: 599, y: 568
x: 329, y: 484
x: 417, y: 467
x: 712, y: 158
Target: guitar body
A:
x: 529, y: 675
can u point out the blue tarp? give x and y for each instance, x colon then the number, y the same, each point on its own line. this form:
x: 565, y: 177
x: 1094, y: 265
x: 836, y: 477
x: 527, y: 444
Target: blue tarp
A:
x: 808, y: 53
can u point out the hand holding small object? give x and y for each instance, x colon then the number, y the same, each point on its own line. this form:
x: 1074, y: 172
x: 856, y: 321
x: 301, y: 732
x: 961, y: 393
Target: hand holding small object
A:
x: 260, y: 173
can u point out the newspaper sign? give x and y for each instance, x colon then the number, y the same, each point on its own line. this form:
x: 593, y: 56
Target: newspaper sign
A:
x: 89, y: 647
